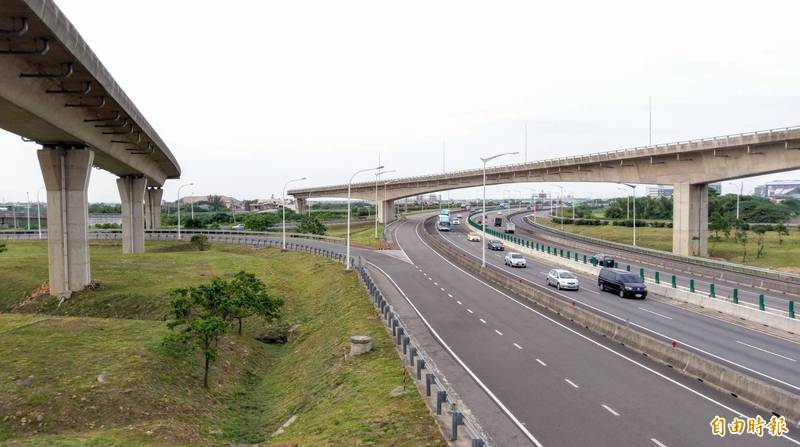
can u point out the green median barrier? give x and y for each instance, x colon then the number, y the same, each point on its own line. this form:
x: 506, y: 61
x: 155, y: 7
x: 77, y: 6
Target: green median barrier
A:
x: 576, y: 257
x: 658, y: 277
x: 568, y: 255
x: 791, y: 309
x: 674, y: 281
x: 691, y: 285
x: 712, y: 291
x: 628, y: 267
x: 641, y: 273
x: 594, y: 262
x: 761, y: 305
x: 735, y: 296
x: 584, y: 259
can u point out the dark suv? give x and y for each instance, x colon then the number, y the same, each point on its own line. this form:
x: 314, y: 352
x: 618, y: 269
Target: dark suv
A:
x: 621, y: 282
x: 495, y: 245
x: 604, y: 260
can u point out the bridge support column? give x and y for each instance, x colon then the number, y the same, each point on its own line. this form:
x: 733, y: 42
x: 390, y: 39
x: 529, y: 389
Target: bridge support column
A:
x: 690, y: 219
x: 66, y: 173
x: 300, y: 205
x: 385, y: 211
x: 152, y: 207
x: 131, y: 191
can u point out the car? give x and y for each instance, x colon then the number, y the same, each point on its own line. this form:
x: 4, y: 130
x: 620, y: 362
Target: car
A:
x: 473, y: 236
x: 499, y: 213
x: 495, y: 245
x: 563, y: 279
x: 238, y: 227
x: 515, y: 260
x: 456, y: 221
x: 498, y: 221
x: 603, y: 260
x: 621, y: 282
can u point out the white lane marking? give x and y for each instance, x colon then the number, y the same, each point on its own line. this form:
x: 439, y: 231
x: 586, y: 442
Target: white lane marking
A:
x: 656, y: 313
x: 482, y: 320
x: 657, y: 442
x: 498, y: 332
x: 450, y: 295
x: 541, y: 362
x: 603, y: 311
x: 441, y: 288
x: 435, y: 283
x: 600, y: 345
x: 430, y: 279
x: 459, y: 302
x: 517, y: 346
x: 470, y: 311
x: 486, y: 389
x: 610, y: 410
x: 544, y: 273
x: 591, y: 291
x: 571, y: 383
x: 764, y: 350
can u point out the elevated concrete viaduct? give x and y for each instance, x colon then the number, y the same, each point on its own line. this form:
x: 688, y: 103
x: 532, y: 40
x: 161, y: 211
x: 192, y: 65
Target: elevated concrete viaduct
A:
x: 54, y: 91
x: 688, y: 165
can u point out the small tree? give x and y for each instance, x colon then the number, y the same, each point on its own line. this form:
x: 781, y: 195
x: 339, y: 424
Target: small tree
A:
x: 200, y: 241
x: 741, y: 237
x: 248, y: 296
x: 780, y: 228
x: 311, y: 225
x: 3, y: 248
x: 200, y: 311
x: 759, y: 240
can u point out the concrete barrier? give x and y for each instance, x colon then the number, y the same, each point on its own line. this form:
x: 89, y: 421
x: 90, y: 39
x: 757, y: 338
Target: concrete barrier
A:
x: 750, y: 389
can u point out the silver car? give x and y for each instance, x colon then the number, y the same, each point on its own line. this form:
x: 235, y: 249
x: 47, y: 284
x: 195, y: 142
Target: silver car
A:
x: 515, y: 260
x: 563, y: 279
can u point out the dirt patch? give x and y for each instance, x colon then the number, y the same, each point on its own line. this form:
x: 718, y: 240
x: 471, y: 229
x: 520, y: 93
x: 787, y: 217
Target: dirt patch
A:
x: 41, y: 292
x: 790, y: 269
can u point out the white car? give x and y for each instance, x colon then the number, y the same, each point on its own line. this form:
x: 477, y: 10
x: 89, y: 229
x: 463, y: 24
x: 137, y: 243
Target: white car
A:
x: 563, y: 279
x: 456, y: 221
x: 238, y: 227
x: 515, y: 260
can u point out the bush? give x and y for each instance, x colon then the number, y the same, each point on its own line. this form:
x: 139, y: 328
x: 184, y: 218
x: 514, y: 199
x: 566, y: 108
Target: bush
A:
x: 200, y: 241
x: 3, y: 248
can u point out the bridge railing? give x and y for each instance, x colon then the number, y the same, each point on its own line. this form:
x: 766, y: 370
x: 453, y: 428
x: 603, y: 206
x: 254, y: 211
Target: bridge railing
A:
x: 172, y: 234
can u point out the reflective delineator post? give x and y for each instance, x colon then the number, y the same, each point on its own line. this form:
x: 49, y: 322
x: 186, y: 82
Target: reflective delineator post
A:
x: 735, y: 296
x: 791, y: 309
x: 658, y: 277
x: 712, y: 292
x: 641, y: 273
x: 761, y: 302
x: 674, y: 281
x: 691, y: 285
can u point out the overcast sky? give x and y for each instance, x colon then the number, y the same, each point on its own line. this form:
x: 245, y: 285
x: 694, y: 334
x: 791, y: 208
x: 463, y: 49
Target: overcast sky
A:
x: 248, y: 94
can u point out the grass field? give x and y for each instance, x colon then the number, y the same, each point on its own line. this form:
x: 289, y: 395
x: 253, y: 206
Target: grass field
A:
x: 50, y: 394
x: 360, y: 234
x: 784, y: 256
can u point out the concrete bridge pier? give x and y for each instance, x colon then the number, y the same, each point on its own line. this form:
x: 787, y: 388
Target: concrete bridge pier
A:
x: 152, y: 207
x: 66, y: 171
x: 300, y: 205
x: 386, y: 211
x: 690, y: 219
x: 131, y: 192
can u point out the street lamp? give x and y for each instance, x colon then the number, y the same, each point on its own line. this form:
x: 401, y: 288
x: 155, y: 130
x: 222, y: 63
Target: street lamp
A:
x: 633, y: 187
x: 378, y: 174
x: 283, y: 208
x: 483, y: 217
x: 560, y: 206
x: 38, y: 213
x: 192, y: 205
x: 738, y: 196
x: 384, y: 195
x: 349, y: 184
x: 179, y: 206
x: 28, y: 209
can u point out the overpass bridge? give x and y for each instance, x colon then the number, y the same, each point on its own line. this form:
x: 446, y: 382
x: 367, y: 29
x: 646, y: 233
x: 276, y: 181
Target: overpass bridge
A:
x: 687, y: 165
x: 55, y: 92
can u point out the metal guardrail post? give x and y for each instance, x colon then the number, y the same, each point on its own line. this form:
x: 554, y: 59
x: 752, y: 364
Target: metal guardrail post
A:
x: 478, y: 442
x: 761, y: 302
x: 791, y: 309
x: 430, y: 379
x: 658, y: 277
x: 735, y: 296
x: 674, y: 281
x: 458, y: 419
x: 420, y: 367
x: 405, y: 344
x: 400, y: 333
x: 411, y: 354
x: 628, y: 267
x: 441, y: 397
x: 712, y: 291
x: 641, y: 273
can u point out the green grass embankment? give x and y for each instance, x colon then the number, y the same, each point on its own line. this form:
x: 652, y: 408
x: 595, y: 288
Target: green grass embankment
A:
x: 82, y: 380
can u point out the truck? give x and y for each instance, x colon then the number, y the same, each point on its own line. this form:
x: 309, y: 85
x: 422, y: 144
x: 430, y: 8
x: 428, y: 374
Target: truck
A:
x: 444, y: 221
x: 510, y: 227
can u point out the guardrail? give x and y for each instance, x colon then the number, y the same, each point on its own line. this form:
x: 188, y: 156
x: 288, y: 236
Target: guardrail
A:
x: 759, y: 272
x: 753, y: 390
x: 437, y: 392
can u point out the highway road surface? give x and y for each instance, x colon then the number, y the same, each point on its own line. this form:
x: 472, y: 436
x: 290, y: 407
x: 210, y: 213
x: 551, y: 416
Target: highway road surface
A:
x: 560, y: 385
x: 773, y: 359
x: 749, y: 287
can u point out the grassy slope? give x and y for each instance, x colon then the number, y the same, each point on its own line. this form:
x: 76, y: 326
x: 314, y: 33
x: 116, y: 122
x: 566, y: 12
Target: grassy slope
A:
x: 360, y: 234
x: 255, y: 387
x: 778, y: 256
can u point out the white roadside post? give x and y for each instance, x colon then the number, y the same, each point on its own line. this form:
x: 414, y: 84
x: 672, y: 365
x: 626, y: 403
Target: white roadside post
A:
x: 349, y: 184
x: 178, y: 202
x: 283, y: 208
x: 38, y: 212
x: 483, y: 214
x: 633, y: 187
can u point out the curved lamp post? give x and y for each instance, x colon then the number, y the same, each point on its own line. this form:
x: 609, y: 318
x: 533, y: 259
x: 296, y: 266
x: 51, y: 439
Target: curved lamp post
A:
x: 483, y: 217
x: 349, y: 184
x: 283, y: 208
x: 378, y: 174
